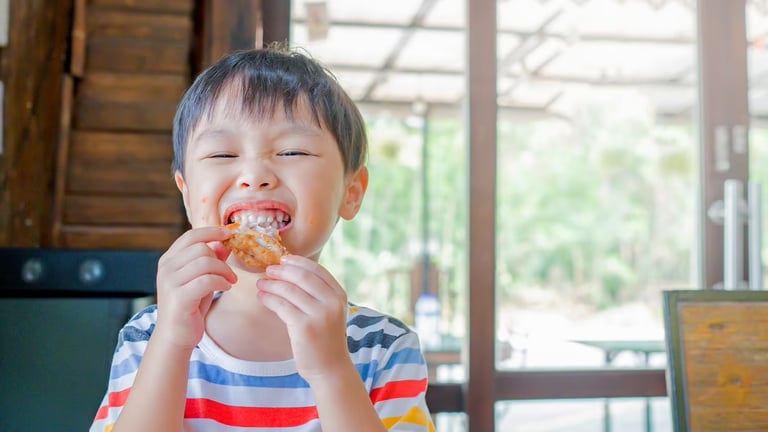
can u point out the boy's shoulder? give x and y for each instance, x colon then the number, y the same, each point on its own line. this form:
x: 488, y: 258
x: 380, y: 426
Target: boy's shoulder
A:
x: 369, y: 328
x: 362, y: 317
x: 144, y: 319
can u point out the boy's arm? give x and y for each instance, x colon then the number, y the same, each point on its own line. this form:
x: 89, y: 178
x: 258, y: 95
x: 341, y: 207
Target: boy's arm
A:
x: 314, y: 308
x: 343, y: 403
x: 158, y: 395
x: 396, y: 400
x: 188, y: 275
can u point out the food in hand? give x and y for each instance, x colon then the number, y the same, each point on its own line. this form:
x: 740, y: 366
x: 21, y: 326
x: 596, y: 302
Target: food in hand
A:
x: 257, y: 247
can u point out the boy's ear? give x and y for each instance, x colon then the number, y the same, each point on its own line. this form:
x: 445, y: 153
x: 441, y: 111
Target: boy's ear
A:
x: 179, y: 179
x: 354, y: 193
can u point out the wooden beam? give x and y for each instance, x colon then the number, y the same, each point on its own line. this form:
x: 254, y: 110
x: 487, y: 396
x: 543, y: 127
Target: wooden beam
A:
x: 570, y: 384
x: 31, y: 66
x: 723, y: 120
x: 481, y: 72
x: 226, y: 26
x: 276, y: 20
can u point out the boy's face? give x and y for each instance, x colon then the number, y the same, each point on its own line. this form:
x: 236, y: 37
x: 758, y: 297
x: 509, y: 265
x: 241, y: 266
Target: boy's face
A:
x: 240, y: 167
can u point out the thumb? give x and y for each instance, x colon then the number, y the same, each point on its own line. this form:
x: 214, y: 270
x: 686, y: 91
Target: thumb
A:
x: 220, y: 250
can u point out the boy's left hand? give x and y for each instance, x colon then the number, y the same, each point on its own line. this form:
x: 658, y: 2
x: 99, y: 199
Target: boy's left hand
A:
x: 313, y: 306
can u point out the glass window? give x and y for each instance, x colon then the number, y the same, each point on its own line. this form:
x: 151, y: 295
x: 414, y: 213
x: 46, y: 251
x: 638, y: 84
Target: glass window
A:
x: 597, y: 179
x: 757, y: 69
x: 405, y: 253
x: 587, y: 415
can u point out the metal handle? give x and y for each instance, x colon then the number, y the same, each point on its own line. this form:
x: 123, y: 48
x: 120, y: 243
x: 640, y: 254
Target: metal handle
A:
x: 733, y: 237
x: 754, y: 242
x: 735, y: 214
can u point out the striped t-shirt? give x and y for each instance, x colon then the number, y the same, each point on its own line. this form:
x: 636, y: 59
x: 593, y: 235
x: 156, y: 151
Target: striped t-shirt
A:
x: 228, y: 394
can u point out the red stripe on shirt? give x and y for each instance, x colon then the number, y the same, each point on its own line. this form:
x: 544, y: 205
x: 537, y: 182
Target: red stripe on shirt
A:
x: 249, y: 416
x: 398, y: 389
x: 114, y: 399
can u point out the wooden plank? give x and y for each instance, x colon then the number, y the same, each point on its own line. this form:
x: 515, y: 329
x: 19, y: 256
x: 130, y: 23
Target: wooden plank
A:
x: 62, y: 157
x: 78, y: 39
x: 133, y: 88
x: 135, y: 117
x: 104, y: 22
x: 115, y: 210
x: 723, y: 110
x: 108, y: 147
x: 132, y: 55
x: 119, y: 237
x: 275, y: 21
x: 227, y: 26
x: 167, y: 6
x: 482, y: 111
x: 126, y: 179
x: 31, y: 68
x: 724, y: 350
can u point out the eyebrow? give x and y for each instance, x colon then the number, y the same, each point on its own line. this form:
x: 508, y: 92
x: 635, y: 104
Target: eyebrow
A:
x: 282, y: 130
x: 214, y: 133
x: 298, y: 128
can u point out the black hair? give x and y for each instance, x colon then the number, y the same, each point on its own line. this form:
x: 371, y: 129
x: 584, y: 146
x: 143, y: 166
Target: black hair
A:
x: 267, y: 79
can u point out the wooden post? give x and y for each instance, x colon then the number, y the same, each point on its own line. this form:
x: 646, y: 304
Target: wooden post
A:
x: 724, y: 119
x: 481, y: 71
x: 31, y: 66
x: 226, y: 26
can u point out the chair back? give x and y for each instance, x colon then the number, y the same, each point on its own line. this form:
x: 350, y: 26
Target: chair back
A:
x: 717, y: 349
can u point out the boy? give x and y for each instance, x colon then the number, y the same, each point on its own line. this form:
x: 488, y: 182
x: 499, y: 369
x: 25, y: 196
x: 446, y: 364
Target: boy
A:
x: 264, y: 135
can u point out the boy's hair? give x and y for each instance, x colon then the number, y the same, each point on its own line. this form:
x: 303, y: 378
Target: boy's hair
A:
x: 266, y: 79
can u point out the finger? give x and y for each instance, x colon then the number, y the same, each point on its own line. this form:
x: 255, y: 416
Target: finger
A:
x: 314, y: 268
x: 195, y: 290
x: 299, y: 277
x: 298, y: 297
x: 198, y: 235
x: 285, y: 310
x: 199, y: 288
x: 205, y: 304
x: 204, y: 265
x: 179, y: 258
x: 312, y: 282
x: 221, y: 252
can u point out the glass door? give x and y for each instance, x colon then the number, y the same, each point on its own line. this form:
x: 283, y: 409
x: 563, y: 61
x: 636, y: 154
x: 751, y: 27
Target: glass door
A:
x: 596, y: 204
x: 591, y: 133
x: 405, y: 254
x: 757, y: 64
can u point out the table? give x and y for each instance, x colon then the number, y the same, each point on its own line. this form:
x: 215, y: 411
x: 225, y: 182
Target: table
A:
x: 448, y: 352
x: 612, y: 348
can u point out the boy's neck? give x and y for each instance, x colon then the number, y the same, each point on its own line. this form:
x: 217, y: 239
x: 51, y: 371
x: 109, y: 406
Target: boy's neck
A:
x: 244, y: 328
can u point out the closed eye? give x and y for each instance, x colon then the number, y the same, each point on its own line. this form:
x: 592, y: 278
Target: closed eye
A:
x: 294, y: 153
x: 221, y: 155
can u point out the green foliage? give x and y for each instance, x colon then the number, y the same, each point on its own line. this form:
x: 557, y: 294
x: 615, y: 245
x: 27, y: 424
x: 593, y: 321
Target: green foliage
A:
x: 598, y: 209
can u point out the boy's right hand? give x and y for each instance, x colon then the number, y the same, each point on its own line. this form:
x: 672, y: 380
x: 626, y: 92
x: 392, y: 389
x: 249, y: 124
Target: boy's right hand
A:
x: 188, y: 274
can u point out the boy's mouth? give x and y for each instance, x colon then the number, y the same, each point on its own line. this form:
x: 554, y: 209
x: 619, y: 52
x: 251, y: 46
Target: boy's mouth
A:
x: 265, y: 220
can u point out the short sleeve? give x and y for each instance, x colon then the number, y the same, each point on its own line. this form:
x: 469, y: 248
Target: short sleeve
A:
x: 400, y: 386
x: 131, y: 344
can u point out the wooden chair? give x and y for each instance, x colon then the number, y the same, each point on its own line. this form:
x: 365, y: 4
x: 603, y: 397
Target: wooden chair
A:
x: 717, y: 349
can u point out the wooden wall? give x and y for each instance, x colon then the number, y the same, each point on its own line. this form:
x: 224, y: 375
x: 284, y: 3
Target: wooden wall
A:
x: 129, y: 67
x: 31, y: 66
x: 92, y: 87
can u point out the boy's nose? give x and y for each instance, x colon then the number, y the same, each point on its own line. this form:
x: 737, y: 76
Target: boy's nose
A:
x: 262, y: 180
x: 262, y: 185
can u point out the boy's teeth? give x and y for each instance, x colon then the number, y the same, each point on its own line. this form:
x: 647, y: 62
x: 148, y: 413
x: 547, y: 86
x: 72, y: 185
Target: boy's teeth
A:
x: 265, y: 219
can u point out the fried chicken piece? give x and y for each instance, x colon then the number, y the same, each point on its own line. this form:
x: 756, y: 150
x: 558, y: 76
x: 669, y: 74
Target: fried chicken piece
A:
x: 257, y: 248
